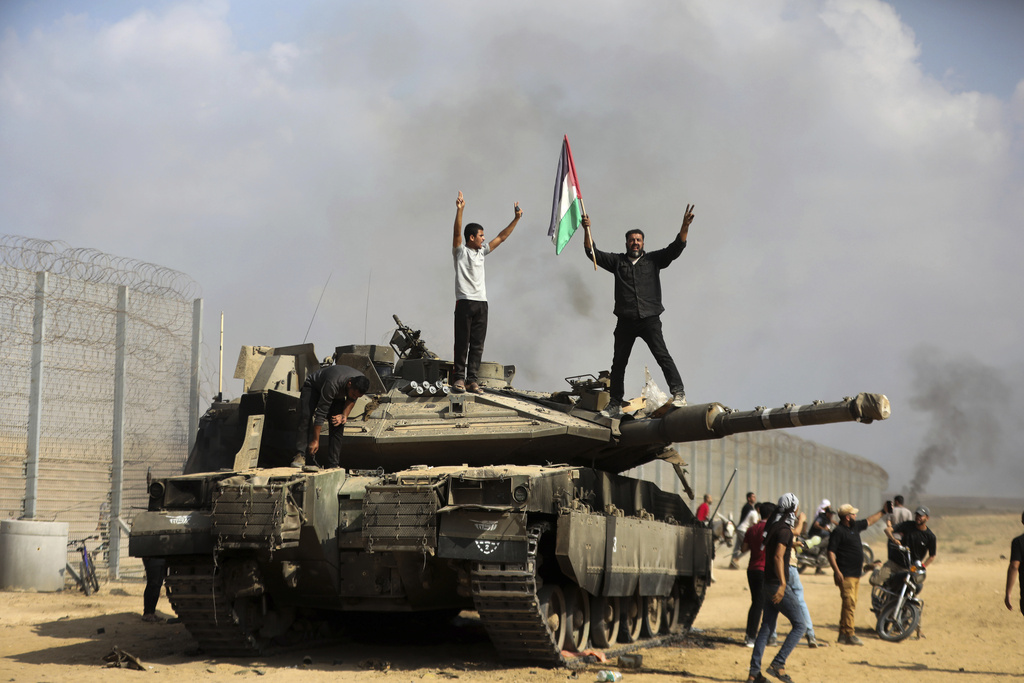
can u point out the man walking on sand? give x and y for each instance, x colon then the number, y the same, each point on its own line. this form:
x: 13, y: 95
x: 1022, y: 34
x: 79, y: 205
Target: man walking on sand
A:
x: 1014, y: 571
x: 846, y: 556
x: 471, y: 297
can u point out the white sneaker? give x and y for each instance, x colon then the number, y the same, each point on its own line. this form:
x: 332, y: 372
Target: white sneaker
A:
x: 749, y: 642
x: 679, y: 400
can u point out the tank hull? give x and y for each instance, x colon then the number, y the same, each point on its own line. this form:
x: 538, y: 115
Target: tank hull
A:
x: 509, y: 502
x: 250, y: 552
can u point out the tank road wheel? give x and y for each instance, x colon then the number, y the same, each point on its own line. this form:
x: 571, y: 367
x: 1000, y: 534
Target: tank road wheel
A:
x: 654, y: 608
x: 632, y: 618
x: 552, y: 608
x: 577, y: 604
x: 670, y: 617
x: 604, y: 620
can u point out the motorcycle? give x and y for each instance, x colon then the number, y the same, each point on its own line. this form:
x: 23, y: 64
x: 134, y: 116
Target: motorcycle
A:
x: 812, y: 552
x: 894, y: 596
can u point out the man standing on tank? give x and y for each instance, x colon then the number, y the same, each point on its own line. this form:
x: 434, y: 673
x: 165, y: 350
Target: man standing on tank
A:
x: 328, y: 394
x: 846, y: 555
x: 638, y: 306
x: 471, y: 297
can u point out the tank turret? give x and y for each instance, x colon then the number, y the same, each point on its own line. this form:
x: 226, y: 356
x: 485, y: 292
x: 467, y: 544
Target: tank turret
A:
x: 510, y: 503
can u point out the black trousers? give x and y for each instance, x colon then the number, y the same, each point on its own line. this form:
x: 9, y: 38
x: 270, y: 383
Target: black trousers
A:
x: 470, y: 332
x: 648, y: 329
x: 308, y: 399
x: 755, y: 579
x: 156, y: 570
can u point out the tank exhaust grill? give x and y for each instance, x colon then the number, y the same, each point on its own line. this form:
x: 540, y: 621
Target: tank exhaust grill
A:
x: 397, y: 517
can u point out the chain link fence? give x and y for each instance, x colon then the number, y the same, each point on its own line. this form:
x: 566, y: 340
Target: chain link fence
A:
x: 64, y: 313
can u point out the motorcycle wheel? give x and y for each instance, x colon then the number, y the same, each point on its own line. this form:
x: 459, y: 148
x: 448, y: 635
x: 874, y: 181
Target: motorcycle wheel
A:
x: 894, y: 627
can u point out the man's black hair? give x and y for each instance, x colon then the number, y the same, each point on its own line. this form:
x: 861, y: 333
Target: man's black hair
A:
x: 749, y: 494
x: 898, y: 499
x: 471, y: 230
x: 765, y: 509
x: 360, y: 384
x: 635, y: 231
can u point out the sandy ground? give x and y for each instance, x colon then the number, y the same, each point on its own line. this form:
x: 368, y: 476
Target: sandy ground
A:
x: 968, y: 634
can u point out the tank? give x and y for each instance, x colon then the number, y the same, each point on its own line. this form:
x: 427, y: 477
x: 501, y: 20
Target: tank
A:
x: 511, y: 503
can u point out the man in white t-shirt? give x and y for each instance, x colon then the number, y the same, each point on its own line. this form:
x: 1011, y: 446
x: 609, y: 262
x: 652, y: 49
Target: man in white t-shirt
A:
x: 471, y: 297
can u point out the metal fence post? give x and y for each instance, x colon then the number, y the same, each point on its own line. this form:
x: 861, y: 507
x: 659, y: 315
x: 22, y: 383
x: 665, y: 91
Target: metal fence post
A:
x: 117, y: 437
x: 35, y: 397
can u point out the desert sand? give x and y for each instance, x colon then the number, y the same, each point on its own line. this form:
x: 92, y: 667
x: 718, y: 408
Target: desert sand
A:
x: 969, y: 635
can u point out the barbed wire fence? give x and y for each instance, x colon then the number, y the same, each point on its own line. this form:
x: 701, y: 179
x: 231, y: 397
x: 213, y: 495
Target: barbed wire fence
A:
x: 79, y: 292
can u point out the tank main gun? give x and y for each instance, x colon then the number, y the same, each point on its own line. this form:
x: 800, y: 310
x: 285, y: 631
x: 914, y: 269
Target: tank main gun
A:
x: 706, y: 421
x: 643, y: 440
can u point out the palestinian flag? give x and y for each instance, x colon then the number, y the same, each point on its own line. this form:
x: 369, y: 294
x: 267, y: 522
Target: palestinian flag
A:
x: 567, y: 207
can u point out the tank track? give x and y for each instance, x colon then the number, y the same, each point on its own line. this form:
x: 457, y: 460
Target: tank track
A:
x: 196, y: 591
x: 505, y: 596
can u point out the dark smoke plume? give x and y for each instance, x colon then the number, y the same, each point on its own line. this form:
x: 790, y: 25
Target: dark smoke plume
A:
x: 964, y: 400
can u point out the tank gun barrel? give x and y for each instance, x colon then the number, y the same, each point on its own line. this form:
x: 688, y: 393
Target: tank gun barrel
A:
x: 713, y: 420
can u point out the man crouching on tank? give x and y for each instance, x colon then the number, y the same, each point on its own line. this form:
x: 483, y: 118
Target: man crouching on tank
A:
x: 327, y: 394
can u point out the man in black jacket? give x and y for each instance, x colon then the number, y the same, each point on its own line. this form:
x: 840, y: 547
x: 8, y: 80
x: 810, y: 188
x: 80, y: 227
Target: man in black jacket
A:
x: 327, y: 396
x: 638, y: 305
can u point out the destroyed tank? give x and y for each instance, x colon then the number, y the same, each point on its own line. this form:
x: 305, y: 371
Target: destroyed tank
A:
x: 511, y: 503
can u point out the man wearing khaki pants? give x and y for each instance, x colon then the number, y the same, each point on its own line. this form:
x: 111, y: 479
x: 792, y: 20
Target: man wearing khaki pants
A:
x: 847, y: 559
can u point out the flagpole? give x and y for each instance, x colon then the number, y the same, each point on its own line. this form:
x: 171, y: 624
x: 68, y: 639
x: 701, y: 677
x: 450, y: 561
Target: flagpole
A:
x: 593, y: 254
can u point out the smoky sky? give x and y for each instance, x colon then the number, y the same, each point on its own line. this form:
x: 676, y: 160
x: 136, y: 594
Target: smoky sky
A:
x: 969, y: 426
x: 849, y: 206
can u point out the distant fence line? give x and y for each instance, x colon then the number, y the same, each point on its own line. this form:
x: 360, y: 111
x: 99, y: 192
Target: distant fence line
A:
x: 99, y: 354
x: 771, y: 464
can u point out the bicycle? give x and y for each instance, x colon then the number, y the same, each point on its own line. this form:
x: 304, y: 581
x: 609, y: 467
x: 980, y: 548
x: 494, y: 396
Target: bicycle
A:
x: 86, y: 576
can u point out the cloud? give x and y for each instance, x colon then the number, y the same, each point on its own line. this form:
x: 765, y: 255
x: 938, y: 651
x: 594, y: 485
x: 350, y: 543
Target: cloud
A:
x: 849, y: 207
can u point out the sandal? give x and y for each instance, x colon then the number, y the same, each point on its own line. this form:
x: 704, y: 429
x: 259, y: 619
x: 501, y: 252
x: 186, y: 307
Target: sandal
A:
x: 772, y: 671
x: 756, y: 679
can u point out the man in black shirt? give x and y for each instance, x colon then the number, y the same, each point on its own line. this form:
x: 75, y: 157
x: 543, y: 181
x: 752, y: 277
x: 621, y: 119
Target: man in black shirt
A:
x: 638, y: 305
x: 1015, y: 570
x: 846, y: 556
x: 778, y: 544
x: 328, y: 394
x: 915, y: 535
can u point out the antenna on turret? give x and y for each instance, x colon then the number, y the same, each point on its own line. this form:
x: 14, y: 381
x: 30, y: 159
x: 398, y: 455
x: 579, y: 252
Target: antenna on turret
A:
x: 220, y: 367
x: 366, y: 313
x: 317, y: 306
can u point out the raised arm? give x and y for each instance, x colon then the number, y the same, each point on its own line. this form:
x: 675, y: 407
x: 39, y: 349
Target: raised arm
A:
x: 687, y: 219
x: 503, y: 235
x: 588, y: 245
x: 460, y: 204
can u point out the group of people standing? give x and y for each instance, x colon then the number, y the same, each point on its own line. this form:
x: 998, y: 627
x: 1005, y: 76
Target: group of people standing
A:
x: 638, y: 305
x: 770, y: 532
